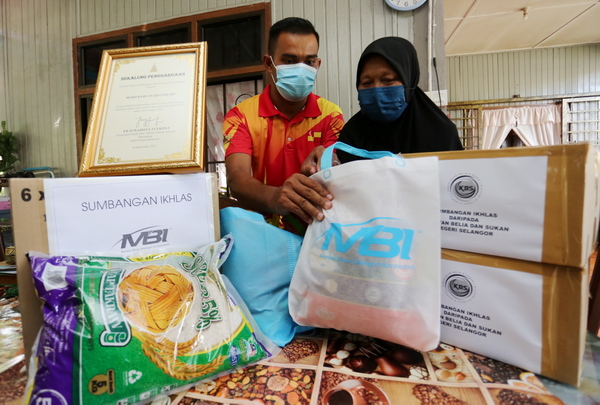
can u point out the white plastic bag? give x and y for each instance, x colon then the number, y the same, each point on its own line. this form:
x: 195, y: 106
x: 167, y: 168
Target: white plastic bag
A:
x: 372, y: 266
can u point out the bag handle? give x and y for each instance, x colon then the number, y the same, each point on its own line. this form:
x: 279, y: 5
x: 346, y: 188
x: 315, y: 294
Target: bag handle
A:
x: 327, y: 157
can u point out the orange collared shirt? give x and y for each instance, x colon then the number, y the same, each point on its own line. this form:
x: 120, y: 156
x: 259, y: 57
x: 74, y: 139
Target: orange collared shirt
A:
x: 278, y: 145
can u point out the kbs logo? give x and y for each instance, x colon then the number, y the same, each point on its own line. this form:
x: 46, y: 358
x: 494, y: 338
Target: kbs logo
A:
x: 144, y: 236
x: 464, y: 188
x: 375, y: 240
x: 459, y: 287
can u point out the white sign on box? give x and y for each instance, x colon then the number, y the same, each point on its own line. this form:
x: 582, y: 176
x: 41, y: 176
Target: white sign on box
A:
x: 494, y: 312
x: 129, y: 215
x: 494, y: 206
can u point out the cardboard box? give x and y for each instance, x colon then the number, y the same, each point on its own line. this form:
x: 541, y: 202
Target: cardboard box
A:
x: 532, y: 203
x: 29, y: 230
x: 531, y: 315
x: 30, y: 234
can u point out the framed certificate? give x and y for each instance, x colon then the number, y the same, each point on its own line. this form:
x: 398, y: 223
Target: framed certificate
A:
x: 148, y: 113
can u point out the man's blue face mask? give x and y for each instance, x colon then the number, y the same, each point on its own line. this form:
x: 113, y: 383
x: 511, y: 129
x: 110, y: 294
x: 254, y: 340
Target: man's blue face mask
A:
x: 382, y: 104
x: 296, y: 81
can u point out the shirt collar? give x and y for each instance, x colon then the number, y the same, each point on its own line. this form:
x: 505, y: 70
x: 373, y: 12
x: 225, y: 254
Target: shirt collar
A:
x: 267, y: 108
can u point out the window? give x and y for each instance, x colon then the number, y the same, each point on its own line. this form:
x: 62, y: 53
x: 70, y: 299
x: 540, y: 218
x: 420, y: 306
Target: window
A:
x: 467, y: 122
x: 89, y: 59
x: 581, y: 120
x: 233, y: 43
x: 164, y: 37
x: 236, y: 42
x: 512, y: 140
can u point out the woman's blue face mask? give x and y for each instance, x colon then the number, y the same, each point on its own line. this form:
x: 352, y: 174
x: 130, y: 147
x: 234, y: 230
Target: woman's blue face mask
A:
x: 382, y: 104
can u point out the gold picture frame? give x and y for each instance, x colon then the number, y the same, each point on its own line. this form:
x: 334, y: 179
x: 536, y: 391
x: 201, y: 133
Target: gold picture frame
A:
x: 148, y: 112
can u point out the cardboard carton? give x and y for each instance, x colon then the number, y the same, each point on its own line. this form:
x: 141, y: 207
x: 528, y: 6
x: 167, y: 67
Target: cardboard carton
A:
x: 537, y: 204
x: 30, y: 234
x: 531, y: 315
x: 29, y: 230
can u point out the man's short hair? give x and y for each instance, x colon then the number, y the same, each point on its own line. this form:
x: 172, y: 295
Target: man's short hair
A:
x: 291, y: 25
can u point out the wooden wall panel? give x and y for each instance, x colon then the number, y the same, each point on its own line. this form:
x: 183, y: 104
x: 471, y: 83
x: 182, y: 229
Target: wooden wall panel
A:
x: 39, y: 92
x: 97, y: 16
x: 36, y: 66
x: 4, y: 88
x: 536, y: 73
x: 36, y: 60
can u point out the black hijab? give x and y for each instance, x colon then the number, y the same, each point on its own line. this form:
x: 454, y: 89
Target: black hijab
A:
x: 422, y: 127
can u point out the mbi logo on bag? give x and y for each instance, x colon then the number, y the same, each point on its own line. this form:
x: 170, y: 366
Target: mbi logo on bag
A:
x: 375, y: 238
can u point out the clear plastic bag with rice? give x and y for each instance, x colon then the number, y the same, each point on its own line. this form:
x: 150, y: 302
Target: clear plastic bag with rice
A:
x: 122, y: 331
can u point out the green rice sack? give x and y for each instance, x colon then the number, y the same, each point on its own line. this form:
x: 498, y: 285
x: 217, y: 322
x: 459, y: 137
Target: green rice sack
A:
x: 120, y: 331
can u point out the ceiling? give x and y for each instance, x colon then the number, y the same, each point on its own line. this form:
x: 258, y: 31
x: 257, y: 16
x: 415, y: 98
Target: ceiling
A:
x: 485, y: 26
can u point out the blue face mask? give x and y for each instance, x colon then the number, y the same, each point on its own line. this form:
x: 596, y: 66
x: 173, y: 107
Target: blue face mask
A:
x: 296, y: 81
x: 382, y: 104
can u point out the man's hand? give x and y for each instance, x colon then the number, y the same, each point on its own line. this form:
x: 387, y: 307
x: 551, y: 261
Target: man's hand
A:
x: 302, y: 196
x: 299, y: 194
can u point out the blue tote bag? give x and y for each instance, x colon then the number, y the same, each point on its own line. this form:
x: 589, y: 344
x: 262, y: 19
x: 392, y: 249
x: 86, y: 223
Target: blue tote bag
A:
x: 260, y: 267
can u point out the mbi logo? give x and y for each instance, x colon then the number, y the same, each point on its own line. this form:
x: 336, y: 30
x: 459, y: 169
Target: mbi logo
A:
x: 144, y: 236
x: 370, y: 239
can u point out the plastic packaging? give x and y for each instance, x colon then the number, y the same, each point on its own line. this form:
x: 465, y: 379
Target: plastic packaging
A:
x: 126, y: 330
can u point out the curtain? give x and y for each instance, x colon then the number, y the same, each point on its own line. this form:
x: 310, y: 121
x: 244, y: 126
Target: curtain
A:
x: 535, y: 125
x: 495, y: 126
x: 214, y: 123
x: 220, y: 99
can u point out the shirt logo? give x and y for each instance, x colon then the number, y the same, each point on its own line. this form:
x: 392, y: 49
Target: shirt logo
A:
x: 312, y: 135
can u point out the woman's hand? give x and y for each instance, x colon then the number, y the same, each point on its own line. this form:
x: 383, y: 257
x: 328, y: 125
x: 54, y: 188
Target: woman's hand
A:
x: 312, y: 163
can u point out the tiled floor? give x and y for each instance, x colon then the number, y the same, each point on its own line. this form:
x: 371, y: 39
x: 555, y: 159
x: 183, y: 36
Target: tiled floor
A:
x: 12, y: 365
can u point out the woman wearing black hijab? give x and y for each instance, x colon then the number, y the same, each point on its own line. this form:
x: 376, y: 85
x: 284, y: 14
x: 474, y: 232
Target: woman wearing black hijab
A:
x: 396, y: 115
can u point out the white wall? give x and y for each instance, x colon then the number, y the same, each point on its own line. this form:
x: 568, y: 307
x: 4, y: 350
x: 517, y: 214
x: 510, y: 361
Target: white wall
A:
x: 37, y: 81
x: 36, y: 61
x: 98, y: 16
x: 536, y: 73
x: 346, y: 28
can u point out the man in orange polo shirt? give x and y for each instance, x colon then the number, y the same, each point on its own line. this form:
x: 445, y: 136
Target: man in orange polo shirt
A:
x: 269, y: 136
